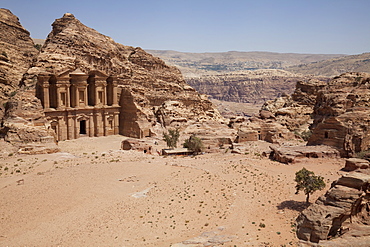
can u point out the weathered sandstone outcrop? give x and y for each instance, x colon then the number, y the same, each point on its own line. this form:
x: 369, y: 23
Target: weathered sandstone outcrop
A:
x: 255, y: 129
x: 292, y: 154
x: 16, y: 54
x: 342, y: 114
x: 343, y: 211
x: 138, y: 145
x: 25, y: 125
x: 353, y: 164
x: 295, y: 111
x: 145, y: 82
x: 23, y: 122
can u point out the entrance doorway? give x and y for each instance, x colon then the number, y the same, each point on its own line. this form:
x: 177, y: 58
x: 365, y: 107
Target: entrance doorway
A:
x: 83, y: 127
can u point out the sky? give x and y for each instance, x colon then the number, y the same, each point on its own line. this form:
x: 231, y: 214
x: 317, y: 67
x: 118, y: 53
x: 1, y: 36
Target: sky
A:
x: 285, y: 26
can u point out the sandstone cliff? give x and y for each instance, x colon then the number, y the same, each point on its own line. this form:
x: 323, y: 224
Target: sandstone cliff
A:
x: 16, y: 54
x: 336, y: 112
x: 145, y: 81
x: 295, y: 111
x: 246, y: 86
x: 23, y: 121
x: 341, y: 114
x: 342, y: 211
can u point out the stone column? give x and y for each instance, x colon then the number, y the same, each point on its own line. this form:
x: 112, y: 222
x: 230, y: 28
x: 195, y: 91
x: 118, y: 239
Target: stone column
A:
x: 75, y: 133
x: 44, y: 82
x: 98, y: 127
x: 46, y: 101
x: 68, y: 96
x: 115, y: 94
x: 104, y: 118
x: 104, y: 99
x: 70, y: 127
x: 57, y: 96
x: 91, y: 125
x: 116, y: 123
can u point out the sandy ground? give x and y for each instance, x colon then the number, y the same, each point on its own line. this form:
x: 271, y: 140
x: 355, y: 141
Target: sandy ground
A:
x: 94, y: 194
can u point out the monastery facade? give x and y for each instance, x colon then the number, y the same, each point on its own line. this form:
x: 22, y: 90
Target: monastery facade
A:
x: 79, y: 104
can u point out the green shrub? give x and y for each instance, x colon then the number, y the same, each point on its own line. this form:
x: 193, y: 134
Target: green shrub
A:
x: 194, y: 144
x: 172, y: 137
x: 308, y: 182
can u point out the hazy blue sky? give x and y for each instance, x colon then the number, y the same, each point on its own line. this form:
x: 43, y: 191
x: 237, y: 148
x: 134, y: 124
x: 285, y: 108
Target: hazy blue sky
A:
x: 299, y: 26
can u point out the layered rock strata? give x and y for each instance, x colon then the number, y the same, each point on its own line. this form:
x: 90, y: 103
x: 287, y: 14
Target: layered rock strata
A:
x: 295, y: 111
x: 342, y: 114
x: 23, y: 121
x: 246, y: 86
x: 16, y: 54
x: 343, y: 211
x: 25, y: 125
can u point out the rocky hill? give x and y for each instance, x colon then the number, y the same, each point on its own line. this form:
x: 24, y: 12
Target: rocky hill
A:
x: 22, y: 118
x: 145, y: 81
x: 335, y: 66
x: 152, y: 94
x: 334, y: 113
x: 16, y: 54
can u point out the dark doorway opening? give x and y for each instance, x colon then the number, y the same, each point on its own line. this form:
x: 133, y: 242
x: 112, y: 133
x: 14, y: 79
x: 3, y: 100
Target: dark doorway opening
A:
x: 83, y: 127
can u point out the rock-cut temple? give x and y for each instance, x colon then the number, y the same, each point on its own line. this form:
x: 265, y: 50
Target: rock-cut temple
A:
x: 79, y: 104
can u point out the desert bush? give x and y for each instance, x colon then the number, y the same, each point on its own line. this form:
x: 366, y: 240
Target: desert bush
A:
x: 194, y: 144
x: 305, y: 135
x: 172, y: 137
x: 308, y: 182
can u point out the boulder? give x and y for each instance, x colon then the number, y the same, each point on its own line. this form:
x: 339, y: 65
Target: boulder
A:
x: 138, y: 145
x: 355, y: 164
x: 343, y: 211
x: 26, y: 127
x: 291, y: 154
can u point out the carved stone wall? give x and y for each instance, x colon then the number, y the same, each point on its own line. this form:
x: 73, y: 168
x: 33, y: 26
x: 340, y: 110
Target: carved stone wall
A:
x: 79, y: 104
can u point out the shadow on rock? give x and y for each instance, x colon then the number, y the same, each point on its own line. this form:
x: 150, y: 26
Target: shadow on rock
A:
x: 293, y: 205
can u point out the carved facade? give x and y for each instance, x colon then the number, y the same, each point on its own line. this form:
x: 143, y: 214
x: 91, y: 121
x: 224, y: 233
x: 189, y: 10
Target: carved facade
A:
x: 79, y: 104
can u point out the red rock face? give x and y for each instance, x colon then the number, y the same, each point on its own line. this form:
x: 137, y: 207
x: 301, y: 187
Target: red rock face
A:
x: 341, y: 114
x: 344, y: 209
x: 16, y: 54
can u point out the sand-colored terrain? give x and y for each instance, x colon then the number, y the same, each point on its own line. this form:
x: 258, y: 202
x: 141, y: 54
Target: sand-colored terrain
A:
x: 94, y: 194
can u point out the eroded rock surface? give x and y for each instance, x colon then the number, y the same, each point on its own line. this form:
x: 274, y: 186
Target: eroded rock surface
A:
x: 26, y: 127
x: 286, y: 154
x: 246, y: 86
x: 16, y: 54
x: 295, y: 111
x: 342, y: 114
x: 343, y: 211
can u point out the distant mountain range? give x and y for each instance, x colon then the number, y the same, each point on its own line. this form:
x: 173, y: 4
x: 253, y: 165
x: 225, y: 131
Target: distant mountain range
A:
x: 254, y: 77
x: 335, y: 66
x: 193, y: 64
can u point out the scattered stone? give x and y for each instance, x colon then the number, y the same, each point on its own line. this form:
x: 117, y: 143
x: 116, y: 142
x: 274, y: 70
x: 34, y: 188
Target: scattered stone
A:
x: 212, y: 238
x: 292, y: 154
